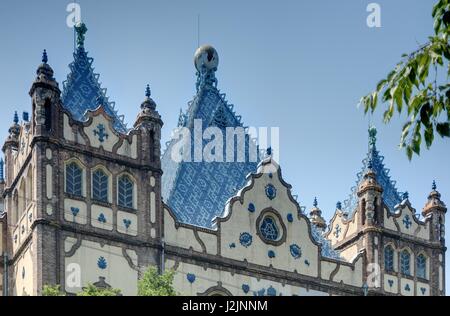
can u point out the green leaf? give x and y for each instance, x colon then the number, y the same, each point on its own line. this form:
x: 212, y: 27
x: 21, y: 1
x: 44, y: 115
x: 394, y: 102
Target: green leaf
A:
x: 409, y: 152
x: 443, y: 129
x: 429, y: 136
x: 397, y: 95
x: 425, y: 114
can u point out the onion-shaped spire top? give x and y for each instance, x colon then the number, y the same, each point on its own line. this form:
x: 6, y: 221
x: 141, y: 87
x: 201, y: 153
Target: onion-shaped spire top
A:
x: 148, y: 92
x: 81, y: 31
x: 16, y: 118
x: 315, y: 203
x: 44, y: 57
x: 434, y: 186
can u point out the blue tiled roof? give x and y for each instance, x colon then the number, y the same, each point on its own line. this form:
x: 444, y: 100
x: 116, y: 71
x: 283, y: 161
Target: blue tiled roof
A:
x: 327, y: 250
x: 391, y: 196
x: 198, y: 191
x: 82, y: 91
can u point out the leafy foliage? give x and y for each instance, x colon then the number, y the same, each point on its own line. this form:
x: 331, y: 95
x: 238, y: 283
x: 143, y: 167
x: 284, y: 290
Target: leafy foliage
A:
x: 52, y: 290
x: 92, y: 290
x: 155, y: 284
x: 411, y: 88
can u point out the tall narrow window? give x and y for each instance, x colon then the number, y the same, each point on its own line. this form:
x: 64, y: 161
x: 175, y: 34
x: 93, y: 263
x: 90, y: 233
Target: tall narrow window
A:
x: 389, y: 259
x: 405, y: 259
x: 125, y: 192
x: 100, y: 186
x: 48, y: 115
x: 421, y: 263
x: 74, y: 177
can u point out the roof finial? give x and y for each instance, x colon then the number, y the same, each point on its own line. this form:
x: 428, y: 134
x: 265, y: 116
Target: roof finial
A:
x: 269, y: 152
x: 405, y: 195
x: 339, y: 205
x: 16, y: 118
x: 81, y: 30
x: 315, y: 202
x: 148, y: 92
x: 44, y: 57
x: 372, y: 136
x: 370, y: 164
x: 434, y: 186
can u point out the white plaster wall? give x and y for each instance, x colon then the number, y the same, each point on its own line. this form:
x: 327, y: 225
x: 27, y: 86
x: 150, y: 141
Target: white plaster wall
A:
x: 422, y: 289
x: 327, y: 268
x: 181, y: 237
x: 420, y: 231
x: 121, y: 228
x: 129, y: 149
x: 210, y: 241
x: 403, y: 284
x: 389, y: 221
x: 387, y: 287
x: 96, y: 210
x: 109, y: 142
x: 297, y: 232
x: 349, y: 276
x: 49, y: 181
x: 24, y: 283
x: 81, y: 217
x: 350, y: 253
x: 118, y: 273
x: 68, y: 132
x: 206, y: 279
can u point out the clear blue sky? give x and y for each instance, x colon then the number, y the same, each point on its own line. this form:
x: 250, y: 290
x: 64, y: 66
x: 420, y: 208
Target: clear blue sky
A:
x: 300, y: 65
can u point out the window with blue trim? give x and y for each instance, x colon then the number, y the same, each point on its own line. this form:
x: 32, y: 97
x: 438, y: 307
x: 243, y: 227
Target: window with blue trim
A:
x: 269, y: 229
x: 125, y: 192
x: 389, y: 259
x: 405, y: 260
x: 74, y: 179
x: 421, y: 263
x: 100, y: 186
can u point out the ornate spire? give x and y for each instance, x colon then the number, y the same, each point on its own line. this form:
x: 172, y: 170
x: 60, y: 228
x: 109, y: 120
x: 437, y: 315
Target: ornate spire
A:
x: 44, y: 57
x: 45, y: 72
x: 16, y: 118
x: 206, y: 61
x: 148, y: 109
x: 434, y: 202
x: 374, y: 161
x: 316, y: 216
x: 82, y: 88
x: 148, y: 102
x: 372, y: 136
x: 81, y: 31
x: 405, y: 195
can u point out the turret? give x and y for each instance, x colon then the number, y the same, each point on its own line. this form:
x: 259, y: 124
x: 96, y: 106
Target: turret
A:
x: 316, y: 217
x: 435, y: 210
x: 369, y: 195
x: 45, y: 96
x: 150, y: 123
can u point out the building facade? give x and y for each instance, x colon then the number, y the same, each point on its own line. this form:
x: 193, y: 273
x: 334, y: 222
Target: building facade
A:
x: 85, y: 199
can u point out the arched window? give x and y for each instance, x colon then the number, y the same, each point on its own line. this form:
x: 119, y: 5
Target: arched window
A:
x: 125, y: 191
x: 74, y: 178
x: 405, y: 260
x: 269, y: 229
x: 421, y: 266
x: 389, y: 259
x: 100, y: 186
